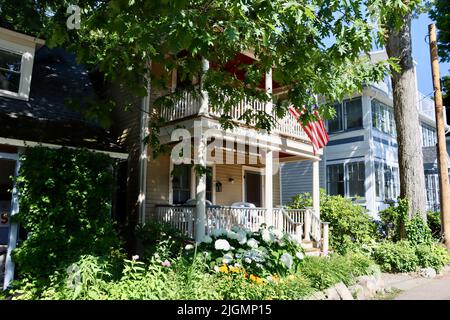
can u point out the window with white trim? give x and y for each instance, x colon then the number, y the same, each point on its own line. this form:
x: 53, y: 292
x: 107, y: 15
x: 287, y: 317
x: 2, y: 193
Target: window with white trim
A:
x: 383, y: 118
x: 428, y: 135
x: 346, y: 180
x: 387, y: 182
x: 10, y: 71
x: 348, y: 116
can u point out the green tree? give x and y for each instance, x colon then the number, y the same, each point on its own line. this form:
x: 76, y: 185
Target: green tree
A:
x: 394, y: 20
x: 441, y: 14
x: 314, y: 46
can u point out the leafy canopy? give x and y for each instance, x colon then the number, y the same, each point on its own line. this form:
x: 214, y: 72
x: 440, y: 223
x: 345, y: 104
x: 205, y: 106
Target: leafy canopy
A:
x: 315, y: 46
x: 441, y: 14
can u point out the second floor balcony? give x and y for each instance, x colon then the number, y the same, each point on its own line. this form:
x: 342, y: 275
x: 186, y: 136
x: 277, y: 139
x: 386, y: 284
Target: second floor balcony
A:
x: 188, y: 105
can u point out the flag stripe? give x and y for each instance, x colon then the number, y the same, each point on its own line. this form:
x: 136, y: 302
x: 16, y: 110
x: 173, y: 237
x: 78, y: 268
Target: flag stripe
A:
x: 315, y: 130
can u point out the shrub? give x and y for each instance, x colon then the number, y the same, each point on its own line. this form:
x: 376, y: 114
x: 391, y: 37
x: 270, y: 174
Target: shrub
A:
x: 434, y: 223
x: 350, y: 225
x: 393, y: 219
x: 417, y: 231
x: 65, y: 208
x: 261, y: 253
x: 433, y: 256
x: 152, y: 233
x: 396, y: 257
x: 326, y: 272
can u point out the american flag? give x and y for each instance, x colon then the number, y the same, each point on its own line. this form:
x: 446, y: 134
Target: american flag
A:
x: 315, y: 130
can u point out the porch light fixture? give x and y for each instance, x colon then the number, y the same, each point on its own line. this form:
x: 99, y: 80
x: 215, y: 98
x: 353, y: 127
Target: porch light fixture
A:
x: 231, y: 180
x: 218, y: 186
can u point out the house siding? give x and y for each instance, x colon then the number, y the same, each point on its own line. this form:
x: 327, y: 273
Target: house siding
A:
x: 296, y: 178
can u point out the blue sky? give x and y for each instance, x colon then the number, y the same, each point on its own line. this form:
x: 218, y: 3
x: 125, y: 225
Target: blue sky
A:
x: 421, y: 53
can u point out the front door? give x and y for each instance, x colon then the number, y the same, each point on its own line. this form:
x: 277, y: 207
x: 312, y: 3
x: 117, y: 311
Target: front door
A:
x: 253, y: 188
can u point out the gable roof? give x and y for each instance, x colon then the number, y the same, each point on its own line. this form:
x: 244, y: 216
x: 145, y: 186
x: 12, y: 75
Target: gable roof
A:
x: 45, y: 117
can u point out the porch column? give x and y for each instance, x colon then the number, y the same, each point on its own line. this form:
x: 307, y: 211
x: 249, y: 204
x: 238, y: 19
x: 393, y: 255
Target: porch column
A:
x: 204, y: 99
x: 268, y: 87
x: 268, y: 186
x: 316, y: 188
x: 13, y: 233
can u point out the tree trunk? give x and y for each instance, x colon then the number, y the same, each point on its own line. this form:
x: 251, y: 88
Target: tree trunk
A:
x: 410, y: 158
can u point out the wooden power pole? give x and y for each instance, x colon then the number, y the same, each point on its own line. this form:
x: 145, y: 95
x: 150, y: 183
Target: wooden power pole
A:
x: 441, y: 143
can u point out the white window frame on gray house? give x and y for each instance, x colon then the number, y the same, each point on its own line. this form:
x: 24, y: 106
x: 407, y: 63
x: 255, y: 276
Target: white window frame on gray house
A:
x: 26, y: 55
x: 351, y: 178
x: 387, y: 183
x: 428, y: 135
x: 383, y: 118
x: 343, y: 111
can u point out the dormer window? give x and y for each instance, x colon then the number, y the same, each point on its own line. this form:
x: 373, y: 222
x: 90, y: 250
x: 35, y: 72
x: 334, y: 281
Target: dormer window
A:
x: 16, y: 63
x: 10, y: 67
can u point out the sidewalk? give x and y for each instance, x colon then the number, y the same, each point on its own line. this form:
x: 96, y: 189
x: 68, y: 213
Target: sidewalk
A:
x: 419, y: 288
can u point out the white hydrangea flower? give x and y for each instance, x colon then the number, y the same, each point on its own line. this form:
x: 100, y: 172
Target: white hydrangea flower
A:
x: 242, y: 237
x: 232, y: 235
x: 248, y: 260
x: 287, y: 260
x: 252, y: 243
x: 278, y: 234
x: 189, y: 247
x: 228, y: 258
x: 217, y: 232
x: 299, y: 255
x: 266, y: 236
x: 222, y: 244
x: 207, y: 239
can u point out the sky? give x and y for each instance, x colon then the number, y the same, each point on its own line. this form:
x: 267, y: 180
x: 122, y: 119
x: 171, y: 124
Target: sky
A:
x: 421, y: 53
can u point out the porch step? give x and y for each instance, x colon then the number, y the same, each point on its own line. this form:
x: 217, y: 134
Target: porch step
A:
x: 313, y: 252
x: 307, y: 245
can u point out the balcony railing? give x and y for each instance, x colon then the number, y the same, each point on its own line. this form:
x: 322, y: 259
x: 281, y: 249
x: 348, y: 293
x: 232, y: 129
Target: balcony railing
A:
x: 188, y: 105
x: 301, y: 224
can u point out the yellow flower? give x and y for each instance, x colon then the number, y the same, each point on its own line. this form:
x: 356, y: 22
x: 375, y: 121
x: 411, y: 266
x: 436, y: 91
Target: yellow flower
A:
x: 223, y: 269
x: 256, y: 279
x: 235, y: 269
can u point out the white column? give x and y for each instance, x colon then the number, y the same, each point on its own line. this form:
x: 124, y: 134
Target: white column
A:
x: 143, y: 158
x: 268, y: 186
x: 200, y: 190
x: 268, y: 87
x: 13, y: 233
x: 205, y: 99
x: 326, y: 237
x: 316, y: 188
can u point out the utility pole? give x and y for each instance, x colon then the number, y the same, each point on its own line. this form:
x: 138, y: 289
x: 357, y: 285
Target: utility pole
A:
x: 441, y: 145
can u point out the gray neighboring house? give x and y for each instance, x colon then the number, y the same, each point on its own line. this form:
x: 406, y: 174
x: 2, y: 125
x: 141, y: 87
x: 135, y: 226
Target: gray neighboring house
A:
x: 361, y: 160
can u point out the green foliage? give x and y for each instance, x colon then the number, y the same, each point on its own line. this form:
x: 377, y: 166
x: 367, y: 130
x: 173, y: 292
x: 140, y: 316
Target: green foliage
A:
x: 393, y: 219
x: 261, y: 253
x: 396, y: 257
x: 404, y: 256
x: 181, y: 278
x: 153, y: 232
x: 434, y: 223
x: 350, y: 225
x: 119, y: 37
x: 434, y: 256
x: 64, y: 207
x: 440, y: 14
x: 326, y: 272
x: 417, y: 231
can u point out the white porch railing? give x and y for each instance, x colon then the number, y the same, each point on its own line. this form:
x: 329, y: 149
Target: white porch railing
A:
x: 187, y: 105
x: 302, y: 224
